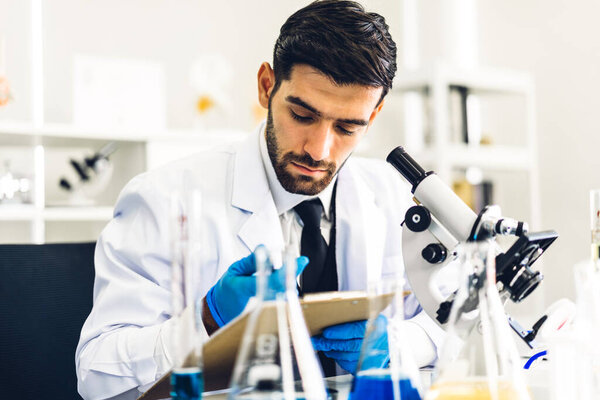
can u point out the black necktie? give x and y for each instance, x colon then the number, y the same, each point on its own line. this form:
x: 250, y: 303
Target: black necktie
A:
x: 320, y: 274
x: 312, y: 243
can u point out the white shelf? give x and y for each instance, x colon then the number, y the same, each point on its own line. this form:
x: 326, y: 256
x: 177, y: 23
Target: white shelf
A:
x: 148, y: 149
x: 56, y: 131
x: 508, y: 158
x: 17, y: 212
x: 74, y: 213
x: 480, y: 79
x: 443, y: 155
x: 52, y: 143
x: 28, y: 213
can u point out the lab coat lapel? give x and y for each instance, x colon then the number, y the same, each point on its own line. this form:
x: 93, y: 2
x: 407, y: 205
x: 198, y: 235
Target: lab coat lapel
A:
x: 251, y: 194
x: 360, y: 231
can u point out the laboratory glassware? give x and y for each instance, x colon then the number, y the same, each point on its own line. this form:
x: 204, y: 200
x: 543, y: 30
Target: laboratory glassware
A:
x: 14, y: 188
x: 386, y: 368
x: 187, y: 381
x: 595, y: 226
x: 276, y: 359
x: 573, y: 353
x: 479, y: 358
x: 574, y: 358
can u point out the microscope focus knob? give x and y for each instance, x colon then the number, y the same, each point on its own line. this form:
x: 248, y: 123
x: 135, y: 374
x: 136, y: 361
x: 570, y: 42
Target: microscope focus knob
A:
x: 417, y: 218
x: 434, y: 253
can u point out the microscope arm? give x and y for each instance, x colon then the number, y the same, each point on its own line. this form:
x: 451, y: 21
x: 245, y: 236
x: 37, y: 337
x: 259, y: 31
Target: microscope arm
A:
x: 441, y: 220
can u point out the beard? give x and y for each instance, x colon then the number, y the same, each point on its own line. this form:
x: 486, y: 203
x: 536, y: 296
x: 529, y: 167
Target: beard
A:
x: 300, y: 184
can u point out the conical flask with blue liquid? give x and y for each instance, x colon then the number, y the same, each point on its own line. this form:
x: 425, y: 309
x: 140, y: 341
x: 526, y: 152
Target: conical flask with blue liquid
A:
x: 276, y: 359
x: 386, y: 368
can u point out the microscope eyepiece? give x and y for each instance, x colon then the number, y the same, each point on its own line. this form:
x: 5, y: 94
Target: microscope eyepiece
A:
x: 407, y: 166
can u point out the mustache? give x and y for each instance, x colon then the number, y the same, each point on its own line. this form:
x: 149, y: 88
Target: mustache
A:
x: 307, y: 160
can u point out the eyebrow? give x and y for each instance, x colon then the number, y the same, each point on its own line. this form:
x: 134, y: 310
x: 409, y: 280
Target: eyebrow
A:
x: 299, y: 102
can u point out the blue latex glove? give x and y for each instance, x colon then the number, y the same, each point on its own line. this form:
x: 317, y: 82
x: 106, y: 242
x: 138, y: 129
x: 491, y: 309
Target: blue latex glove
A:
x: 229, y: 296
x: 343, y: 344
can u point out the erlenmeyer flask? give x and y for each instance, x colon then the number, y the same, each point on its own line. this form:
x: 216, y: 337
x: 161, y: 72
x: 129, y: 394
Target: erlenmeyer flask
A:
x: 573, y: 352
x: 276, y: 359
x: 479, y: 358
x: 386, y: 369
x: 187, y: 381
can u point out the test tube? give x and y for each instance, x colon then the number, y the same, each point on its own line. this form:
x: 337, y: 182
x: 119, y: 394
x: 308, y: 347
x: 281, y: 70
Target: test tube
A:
x: 595, y: 224
x: 186, y: 377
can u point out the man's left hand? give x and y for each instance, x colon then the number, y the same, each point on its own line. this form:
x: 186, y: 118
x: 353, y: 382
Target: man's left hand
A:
x: 343, y: 343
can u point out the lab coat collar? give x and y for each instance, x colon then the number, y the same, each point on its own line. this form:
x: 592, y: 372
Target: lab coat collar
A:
x: 284, y: 200
x: 250, y: 193
x: 360, y: 230
x: 250, y: 185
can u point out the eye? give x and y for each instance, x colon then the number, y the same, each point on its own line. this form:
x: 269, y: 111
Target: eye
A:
x: 345, y: 131
x: 301, y: 118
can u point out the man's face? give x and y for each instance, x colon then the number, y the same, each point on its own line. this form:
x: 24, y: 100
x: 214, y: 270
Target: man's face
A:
x: 313, y: 125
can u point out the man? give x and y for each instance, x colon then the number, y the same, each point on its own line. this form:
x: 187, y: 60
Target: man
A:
x: 333, y: 65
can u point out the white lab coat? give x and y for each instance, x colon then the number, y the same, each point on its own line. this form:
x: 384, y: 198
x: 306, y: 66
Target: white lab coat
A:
x: 132, y: 286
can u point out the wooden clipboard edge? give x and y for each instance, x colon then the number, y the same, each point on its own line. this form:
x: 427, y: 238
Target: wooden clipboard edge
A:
x: 220, y: 341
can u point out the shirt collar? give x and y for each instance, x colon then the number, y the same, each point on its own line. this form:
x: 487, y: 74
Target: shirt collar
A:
x: 284, y: 200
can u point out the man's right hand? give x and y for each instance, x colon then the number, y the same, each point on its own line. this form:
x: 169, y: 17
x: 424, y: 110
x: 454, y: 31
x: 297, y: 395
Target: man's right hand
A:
x: 229, y: 296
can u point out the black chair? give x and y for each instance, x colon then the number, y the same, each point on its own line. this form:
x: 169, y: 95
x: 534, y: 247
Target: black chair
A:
x: 45, y: 296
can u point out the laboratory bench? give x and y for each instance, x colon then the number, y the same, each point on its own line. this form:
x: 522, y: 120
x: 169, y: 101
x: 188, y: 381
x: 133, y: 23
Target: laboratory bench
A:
x: 339, y: 386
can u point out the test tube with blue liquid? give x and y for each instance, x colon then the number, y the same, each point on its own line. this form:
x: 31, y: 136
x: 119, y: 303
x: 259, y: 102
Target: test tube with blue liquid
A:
x: 386, y: 369
x: 187, y: 381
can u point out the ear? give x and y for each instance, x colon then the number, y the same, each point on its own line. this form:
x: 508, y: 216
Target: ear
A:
x: 376, y: 111
x: 266, y: 83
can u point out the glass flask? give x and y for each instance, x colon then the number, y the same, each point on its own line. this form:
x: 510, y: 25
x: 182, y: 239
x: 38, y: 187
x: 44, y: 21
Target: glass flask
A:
x: 479, y: 358
x: 187, y: 381
x: 276, y: 359
x: 573, y: 353
x: 386, y: 368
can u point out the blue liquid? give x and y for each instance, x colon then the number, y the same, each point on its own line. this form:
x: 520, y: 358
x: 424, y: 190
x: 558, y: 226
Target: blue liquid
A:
x: 380, y: 387
x: 187, y: 384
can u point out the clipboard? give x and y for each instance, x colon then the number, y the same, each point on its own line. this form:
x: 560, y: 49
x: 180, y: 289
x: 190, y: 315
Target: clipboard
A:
x: 320, y: 311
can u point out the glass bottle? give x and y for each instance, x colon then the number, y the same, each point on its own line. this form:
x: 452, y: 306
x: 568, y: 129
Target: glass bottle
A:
x: 386, y: 368
x: 276, y: 359
x: 479, y: 359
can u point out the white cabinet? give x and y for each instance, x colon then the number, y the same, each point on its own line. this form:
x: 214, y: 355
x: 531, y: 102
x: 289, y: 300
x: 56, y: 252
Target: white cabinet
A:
x: 507, y: 118
x: 49, y: 218
x: 39, y: 65
x: 505, y: 115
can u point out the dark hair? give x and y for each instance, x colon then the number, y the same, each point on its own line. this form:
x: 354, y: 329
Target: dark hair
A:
x: 340, y: 39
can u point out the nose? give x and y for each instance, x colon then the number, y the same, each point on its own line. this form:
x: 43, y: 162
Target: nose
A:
x: 318, y: 143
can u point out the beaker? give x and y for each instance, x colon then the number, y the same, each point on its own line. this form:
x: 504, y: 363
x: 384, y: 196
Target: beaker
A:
x: 386, y: 368
x: 276, y: 359
x: 186, y: 376
x: 479, y: 358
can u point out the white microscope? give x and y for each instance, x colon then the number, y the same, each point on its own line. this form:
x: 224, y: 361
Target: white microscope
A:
x: 440, y: 221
